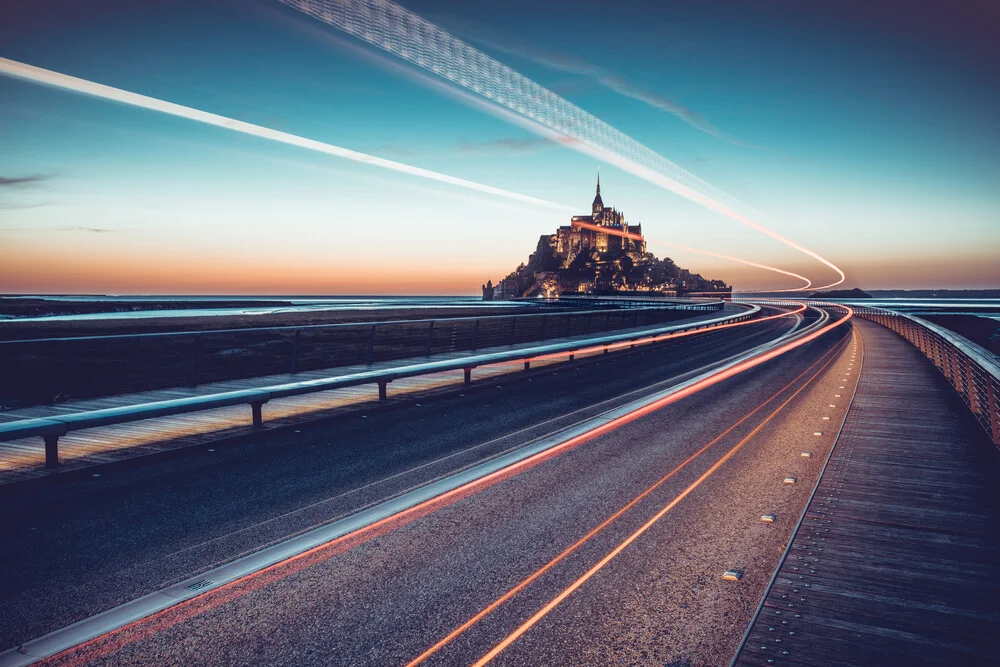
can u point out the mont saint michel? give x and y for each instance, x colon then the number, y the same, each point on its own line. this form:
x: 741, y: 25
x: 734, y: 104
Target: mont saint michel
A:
x: 600, y: 253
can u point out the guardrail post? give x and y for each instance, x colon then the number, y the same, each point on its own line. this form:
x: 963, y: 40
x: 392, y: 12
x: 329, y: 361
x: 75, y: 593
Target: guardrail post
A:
x: 970, y: 387
x: 430, y: 338
x: 468, y: 375
x: 51, y: 450
x: 257, y: 412
x: 993, y: 412
x: 527, y: 365
x: 295, y: 351
x: 956, y: 378
x: 381, y: 389
x: 370, y: 357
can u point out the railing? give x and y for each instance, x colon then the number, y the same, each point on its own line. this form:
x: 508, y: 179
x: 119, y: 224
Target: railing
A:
x: 971, y: 370
x: 39, y: 370
x: 50, y: 429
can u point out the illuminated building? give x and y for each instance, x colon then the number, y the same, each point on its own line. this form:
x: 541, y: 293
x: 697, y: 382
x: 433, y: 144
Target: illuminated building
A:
x: 572, y: 239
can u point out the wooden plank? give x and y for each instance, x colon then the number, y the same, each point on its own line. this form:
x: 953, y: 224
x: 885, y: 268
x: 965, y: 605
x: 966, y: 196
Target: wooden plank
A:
x: 894, y: 562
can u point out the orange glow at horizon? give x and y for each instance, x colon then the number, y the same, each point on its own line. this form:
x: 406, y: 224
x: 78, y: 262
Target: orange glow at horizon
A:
x: 66, y: 270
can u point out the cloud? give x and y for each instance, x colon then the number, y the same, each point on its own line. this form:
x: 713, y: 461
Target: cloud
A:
x: 75, y: 228
x: 22, y: 180
x: 600, y: 76
x: 516, y: 146
x: 14, y: 207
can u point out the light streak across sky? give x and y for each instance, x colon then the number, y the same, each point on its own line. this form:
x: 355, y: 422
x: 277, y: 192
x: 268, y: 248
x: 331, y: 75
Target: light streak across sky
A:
x: 638, y: 237
x: 64, y: 81
x: 39, y: 75
x: 394, y: 29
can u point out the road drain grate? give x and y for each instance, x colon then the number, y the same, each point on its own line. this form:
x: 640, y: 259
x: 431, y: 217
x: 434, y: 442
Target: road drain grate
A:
x: 199, y: 585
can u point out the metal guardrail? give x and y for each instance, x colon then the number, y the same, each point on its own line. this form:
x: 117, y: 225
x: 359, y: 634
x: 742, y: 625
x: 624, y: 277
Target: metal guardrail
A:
x: 50, y: 429
x: 37, y: 370
x: 972, y: 371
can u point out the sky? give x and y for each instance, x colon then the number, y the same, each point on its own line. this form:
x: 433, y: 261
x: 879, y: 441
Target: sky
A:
x: 868, y: 132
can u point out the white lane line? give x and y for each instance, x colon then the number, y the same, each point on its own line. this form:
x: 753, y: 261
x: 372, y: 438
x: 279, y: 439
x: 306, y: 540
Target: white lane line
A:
x: 663, y: 383
x: 130, y: 612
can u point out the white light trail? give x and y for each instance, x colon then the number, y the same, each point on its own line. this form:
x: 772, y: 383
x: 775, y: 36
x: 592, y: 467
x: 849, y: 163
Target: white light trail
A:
x: 399, y: 31
x: 64, y: 81
x: 630, y: 235
x: 747, y: 262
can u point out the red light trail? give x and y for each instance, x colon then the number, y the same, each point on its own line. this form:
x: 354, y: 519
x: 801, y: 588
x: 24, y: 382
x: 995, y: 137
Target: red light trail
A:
x: 163, y: 620
x: 611, y: 519
x: 565, y: 593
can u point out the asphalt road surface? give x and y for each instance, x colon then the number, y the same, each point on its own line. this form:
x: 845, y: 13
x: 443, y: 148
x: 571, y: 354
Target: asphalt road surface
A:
x: 78, y: 545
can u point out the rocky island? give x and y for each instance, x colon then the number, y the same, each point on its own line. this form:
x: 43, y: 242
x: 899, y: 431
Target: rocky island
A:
x: 599, y: 254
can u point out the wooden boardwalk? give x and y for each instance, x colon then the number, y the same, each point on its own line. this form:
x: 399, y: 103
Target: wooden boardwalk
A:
x: 897, y: 559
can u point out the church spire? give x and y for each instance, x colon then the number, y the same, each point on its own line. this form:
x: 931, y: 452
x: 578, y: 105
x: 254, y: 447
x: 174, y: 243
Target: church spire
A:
x: 598, y: 207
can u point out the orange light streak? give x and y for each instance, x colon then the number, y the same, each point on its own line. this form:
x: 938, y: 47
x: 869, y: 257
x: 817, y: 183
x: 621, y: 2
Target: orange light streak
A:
x: 192, y: 607
x: 607, y: 522
x: 552, y: 604
x: 606, y: 230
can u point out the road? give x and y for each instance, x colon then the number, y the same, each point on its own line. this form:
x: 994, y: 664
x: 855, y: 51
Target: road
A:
x: 84, y: 544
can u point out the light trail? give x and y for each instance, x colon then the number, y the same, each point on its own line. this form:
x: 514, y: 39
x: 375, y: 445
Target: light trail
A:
x: 34, y: 74
x: 493, y: 606
x: 184, y: 610
x: 42, y: 76
x: 565, y: 593
x: 638, y: 237
x: 799, y: 308
x: 392, y: 28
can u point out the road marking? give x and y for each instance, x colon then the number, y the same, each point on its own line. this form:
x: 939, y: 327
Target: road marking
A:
x: 468, y: 450
x: 802, y: 517
x: 576, y: 545
x: 527, y: 625
x: 336, y: 537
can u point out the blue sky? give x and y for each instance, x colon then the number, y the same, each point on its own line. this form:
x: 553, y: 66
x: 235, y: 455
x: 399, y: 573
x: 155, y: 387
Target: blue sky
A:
x: 868, y: 135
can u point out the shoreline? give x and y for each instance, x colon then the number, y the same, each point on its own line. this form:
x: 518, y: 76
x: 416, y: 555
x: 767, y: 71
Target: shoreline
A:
x: 16, y: 329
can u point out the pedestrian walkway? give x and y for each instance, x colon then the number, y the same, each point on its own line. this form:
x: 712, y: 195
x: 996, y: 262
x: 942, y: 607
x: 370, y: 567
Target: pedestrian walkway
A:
x: 896, y: 559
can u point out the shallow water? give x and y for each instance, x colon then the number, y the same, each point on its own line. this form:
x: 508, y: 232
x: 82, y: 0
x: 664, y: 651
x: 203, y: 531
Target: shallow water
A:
x: 296, y: 305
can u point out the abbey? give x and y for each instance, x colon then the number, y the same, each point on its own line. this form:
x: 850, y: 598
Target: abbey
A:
x: 580, y: 235
x: 600, y: 253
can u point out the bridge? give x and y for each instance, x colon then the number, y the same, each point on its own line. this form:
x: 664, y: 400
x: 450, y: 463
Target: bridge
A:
x: 768, y: 485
